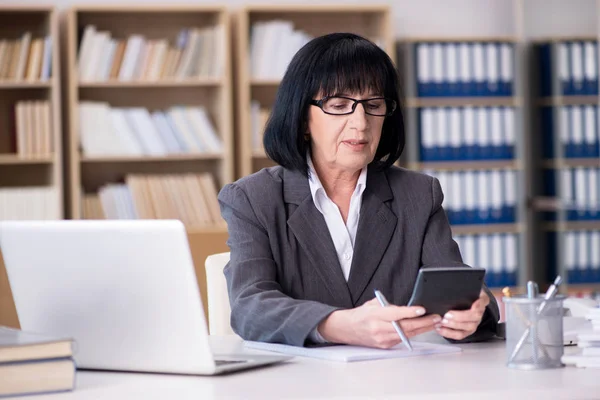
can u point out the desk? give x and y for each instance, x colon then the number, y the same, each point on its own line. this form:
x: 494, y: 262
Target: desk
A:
x: 476, y: 373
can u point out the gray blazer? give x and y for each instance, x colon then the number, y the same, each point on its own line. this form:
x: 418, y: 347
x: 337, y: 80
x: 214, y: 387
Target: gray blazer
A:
x: 284, y: 276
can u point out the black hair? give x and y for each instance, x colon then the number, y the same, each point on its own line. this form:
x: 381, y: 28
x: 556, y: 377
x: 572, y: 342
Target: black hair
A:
x: 332, y: 64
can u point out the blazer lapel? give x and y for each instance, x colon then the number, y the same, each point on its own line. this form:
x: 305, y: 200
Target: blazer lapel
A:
x: 375, y: 229
x: 310, y: 229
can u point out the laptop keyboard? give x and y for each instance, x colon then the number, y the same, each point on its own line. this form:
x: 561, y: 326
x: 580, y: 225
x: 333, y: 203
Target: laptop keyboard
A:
x: 229, y: 362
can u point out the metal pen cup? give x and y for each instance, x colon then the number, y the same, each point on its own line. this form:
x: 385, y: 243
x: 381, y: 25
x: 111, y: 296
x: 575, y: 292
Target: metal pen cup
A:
x: 534, y: 333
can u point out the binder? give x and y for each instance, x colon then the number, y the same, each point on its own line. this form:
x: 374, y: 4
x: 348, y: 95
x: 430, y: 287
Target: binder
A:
x: 455, y: 140
x: 497, y: 202
x: 595, y: 256
x: 496, y: 262
x: 465, y: 69
x: 589, y: 132
x: 483, y: 198
x: 511, y: 250
x: 428, y: 135
x: 479, y: 75
x: 564, y: 70
x: 510, y: 196
x: 492, y: 63
x: 581, y: 193
x: 496, y: 134
x: 470, y: 192
x: 483, y: 132
x: 452, y: 86
x: 443, y: 138
x: 506, y: 69
x: 590, y: 56
x: 470, y: 140
x: 570, y: 257
x: 508, y: 150
x: 438, y: 77
x: 576, y: 132
x: 457, y: 193
x: 577, y: 68
x: 423, y: 68
x: 484, y: 257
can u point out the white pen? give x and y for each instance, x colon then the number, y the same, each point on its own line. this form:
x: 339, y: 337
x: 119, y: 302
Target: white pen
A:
x: 384, y: 303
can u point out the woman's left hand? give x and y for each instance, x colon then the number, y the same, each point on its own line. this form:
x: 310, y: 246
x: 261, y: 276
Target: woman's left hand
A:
x: 458, y: 325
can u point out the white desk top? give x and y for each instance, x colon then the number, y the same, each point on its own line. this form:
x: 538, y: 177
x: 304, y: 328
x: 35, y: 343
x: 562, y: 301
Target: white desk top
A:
x: 479, y: 372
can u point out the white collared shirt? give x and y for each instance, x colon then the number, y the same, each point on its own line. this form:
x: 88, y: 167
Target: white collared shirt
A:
x: 342, y: 234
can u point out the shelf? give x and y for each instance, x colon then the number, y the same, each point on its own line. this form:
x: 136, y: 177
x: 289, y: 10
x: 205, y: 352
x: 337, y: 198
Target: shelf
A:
x: 151, y: 84
x: 147, y: 159
x: 317, y: 8
x: 583, y: 287
x: 26, y: 85
x: 571, y: 163
x: 568, y: 101
x: 265, y: 82
x: 483, y: 229
x: 460, y: 39
x: 572, y: 226
x: 421, y: 102
x: 462, y: 165
x: 10, y: 159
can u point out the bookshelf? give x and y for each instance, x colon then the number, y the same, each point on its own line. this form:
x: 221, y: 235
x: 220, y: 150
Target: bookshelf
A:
x: 371, y: 21
x: 565, y: 72
x: 465, y: 125
x: 31, y: 164
x: 159, y: 69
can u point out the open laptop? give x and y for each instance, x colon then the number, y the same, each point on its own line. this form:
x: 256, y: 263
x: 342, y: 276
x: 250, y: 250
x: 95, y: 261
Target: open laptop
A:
x: 125, y: 291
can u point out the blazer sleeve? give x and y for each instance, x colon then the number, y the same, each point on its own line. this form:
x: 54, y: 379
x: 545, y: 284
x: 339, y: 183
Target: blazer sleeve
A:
x: 260, y: 311
x: 440, y: 249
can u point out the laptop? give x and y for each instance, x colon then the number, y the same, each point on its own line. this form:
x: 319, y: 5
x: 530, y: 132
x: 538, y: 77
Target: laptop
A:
x: 125, y: 291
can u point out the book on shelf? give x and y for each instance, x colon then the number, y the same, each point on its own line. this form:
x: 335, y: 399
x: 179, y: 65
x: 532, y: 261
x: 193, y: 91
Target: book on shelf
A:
x: 135, y: 131
x: 27, y: 58
x: 464, y: 69
x: 33, y: 128
x: 497, y: 253
x: 467, y: 133
x: 197, y: 53
x: 34, y: 363
x: 479, y: 196
x: 577, y: 131
x: 191, y: 198
x: 272, y: 47
x: 29, y: 202
x: 582, y: 256
x: 579, y: 190
x: 573, y: 64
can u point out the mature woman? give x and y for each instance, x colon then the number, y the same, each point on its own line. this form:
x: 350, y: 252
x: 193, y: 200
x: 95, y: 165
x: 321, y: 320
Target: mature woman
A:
x: 312, y: 238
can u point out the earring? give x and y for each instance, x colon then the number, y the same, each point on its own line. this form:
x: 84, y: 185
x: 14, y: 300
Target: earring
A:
x: 306, y: 137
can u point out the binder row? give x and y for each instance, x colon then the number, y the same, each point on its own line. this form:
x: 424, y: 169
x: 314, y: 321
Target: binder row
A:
x: 479, y: 196
x: 464, y: 69
x: 577, y: 128
x: 497, y: 253
x: 467, y: 133
x: 579, y: 191
x: 582, y: 256
x: 576, y: 71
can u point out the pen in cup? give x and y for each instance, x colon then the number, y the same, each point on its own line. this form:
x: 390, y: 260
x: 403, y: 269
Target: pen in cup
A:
x: 384, y: 303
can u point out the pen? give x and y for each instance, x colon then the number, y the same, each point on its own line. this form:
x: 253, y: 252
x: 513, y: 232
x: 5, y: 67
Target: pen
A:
x: 384, y: 303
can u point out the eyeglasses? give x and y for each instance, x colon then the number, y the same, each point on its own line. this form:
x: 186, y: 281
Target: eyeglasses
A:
x: 339, y: 105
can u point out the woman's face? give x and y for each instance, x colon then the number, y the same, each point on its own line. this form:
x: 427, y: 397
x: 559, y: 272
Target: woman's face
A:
x: 344, y: 142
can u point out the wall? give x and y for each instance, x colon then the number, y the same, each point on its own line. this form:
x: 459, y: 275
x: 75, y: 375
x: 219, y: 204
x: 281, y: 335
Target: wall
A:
x: 419, y: 18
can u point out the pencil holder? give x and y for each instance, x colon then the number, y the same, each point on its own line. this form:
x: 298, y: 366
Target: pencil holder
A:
x: 534, y: 332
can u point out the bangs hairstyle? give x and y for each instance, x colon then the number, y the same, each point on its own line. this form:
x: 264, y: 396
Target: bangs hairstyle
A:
x: 334, y: 64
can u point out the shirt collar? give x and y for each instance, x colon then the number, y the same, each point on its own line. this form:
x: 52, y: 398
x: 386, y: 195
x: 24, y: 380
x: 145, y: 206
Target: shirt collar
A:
x: 318, y: 191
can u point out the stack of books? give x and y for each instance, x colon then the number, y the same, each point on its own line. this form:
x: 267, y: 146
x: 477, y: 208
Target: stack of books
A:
x: 26, y: 58
x: 32, y: 363
x: 190, y: 198
x: 136, y: 131
x: 197, y: 53
x: 589, y: 343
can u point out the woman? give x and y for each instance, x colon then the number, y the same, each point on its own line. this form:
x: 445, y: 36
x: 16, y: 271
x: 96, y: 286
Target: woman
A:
x: 313, y: 237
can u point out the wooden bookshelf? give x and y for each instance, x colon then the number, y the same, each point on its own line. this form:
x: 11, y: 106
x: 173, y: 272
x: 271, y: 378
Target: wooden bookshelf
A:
x: 371, y: 21
x: 88, y: 173
x: 28, y: 165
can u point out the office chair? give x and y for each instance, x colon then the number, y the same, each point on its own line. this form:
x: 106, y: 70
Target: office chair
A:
x: 219, y: 309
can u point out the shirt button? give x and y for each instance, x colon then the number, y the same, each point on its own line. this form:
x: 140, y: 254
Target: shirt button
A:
x: 346, y: 256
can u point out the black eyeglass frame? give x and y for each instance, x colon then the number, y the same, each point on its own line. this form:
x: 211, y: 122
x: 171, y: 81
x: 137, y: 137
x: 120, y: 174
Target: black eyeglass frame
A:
x: 319, y: 103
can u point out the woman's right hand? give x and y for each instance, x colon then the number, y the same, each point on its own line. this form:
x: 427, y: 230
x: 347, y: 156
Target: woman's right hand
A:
x: 371, y: 324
